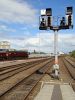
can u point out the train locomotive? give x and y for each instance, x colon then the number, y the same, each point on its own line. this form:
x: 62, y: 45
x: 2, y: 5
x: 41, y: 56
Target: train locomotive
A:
x: 12, y: 55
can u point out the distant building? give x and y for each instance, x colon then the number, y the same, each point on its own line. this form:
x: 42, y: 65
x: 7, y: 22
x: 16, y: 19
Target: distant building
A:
x: 4, y: 45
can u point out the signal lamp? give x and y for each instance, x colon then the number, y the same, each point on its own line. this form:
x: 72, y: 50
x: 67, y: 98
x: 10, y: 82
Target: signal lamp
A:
x: 49, y: 21
x: 69, y: 20
x: 62, y: 22
x: 69, y: 10
x: 42, y: 24
x: 43, y: 12
x: 49, y: 12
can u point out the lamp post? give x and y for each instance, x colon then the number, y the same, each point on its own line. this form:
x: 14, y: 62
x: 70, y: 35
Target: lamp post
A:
x: 46, y: 24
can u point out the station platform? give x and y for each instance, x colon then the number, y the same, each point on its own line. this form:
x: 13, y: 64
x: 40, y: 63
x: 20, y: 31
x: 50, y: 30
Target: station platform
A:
x: 56, y: 92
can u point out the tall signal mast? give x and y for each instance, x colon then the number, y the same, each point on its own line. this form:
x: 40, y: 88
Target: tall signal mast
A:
x: 45, y: 23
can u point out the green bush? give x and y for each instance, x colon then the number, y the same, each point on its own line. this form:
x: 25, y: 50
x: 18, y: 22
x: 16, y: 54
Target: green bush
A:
x: 73, y: 53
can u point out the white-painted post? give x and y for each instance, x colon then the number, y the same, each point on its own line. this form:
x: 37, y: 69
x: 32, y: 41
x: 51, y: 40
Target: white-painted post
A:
x: 56, y: 46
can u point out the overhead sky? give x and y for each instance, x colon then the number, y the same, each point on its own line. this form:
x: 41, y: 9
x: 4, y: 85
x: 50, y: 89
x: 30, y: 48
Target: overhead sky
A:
x: 19, y: 24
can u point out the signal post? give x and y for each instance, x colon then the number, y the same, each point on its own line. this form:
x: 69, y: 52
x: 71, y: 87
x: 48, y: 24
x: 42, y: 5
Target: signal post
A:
x: 46, y: 24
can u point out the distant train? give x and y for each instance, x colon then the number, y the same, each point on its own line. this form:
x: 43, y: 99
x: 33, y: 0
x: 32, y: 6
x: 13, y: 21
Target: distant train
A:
x: 12, y: 55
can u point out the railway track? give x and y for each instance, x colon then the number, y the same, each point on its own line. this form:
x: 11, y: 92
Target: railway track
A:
x: 9, y: 66
x: 25, y: 81
x: 8, y: 71
x: 64, y: 72
x: 70, y: 66
x: 71, y: 58
x: 65, y: 79
x: 22, y: 84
